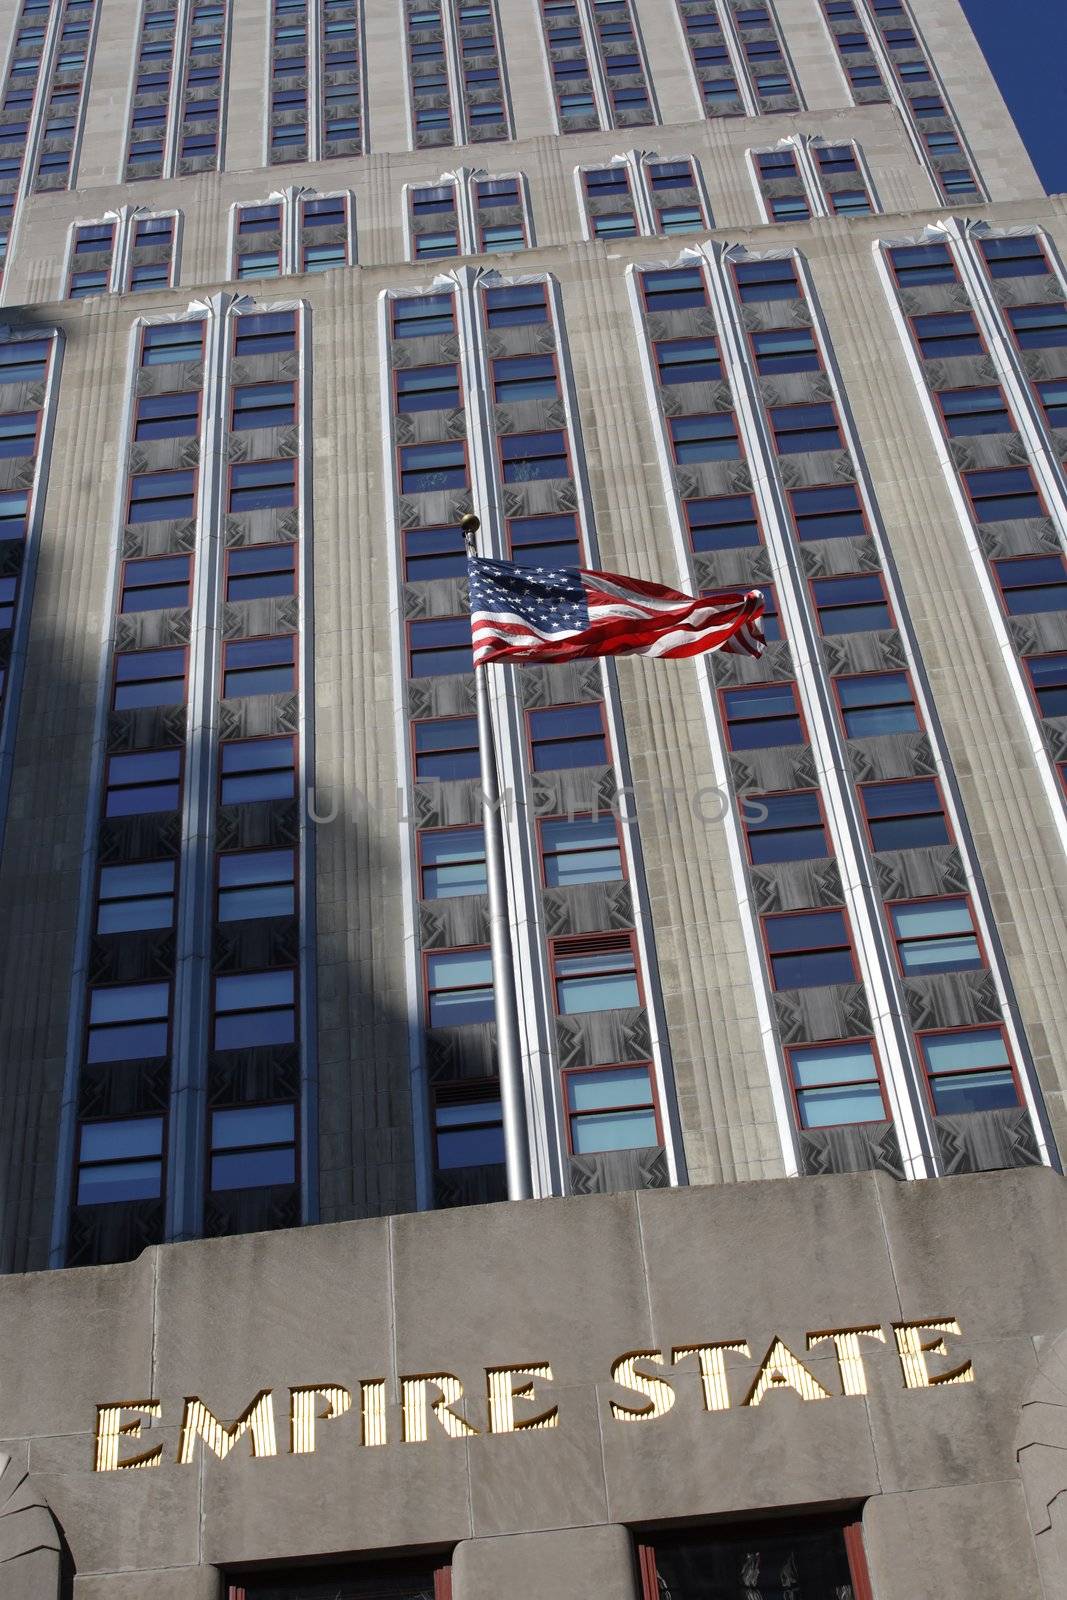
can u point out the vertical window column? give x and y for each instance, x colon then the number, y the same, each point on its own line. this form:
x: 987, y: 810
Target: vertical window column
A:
x: 739, y: 57
x: 296, y: 230
x: 55, y: 166
x: 467, y: 213
x: 802, y: 177
x: 29, y: 385
x: 597, y: 63
x: 126, y: 252
x: 639, y: 194
x: 19, y: 104
x: 152, y: 89
x: 122, y: 1034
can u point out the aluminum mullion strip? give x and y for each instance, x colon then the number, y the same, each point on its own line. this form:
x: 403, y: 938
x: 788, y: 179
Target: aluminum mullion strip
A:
x: 315, y: 47
x: 537, y: 1041
x: 601, y: 97
x: 307, y: 977
x: 191, y: 1034
x: 176, y: 99
x: 454, y: 55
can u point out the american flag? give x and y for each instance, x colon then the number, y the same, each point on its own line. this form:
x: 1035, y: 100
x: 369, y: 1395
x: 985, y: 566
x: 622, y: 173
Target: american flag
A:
x: 566, y: 613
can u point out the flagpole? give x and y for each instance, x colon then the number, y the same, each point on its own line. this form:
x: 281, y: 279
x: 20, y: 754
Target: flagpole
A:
x: 509, y: 1054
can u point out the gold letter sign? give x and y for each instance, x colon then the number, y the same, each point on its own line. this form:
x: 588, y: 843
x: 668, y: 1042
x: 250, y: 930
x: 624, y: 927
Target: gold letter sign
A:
x: 110, y: 1428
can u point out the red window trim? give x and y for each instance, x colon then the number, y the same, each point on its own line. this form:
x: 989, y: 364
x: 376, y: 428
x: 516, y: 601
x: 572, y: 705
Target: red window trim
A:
x: 965, y: 388
x: 860, y: 506
x: 756, y: 518
x: 807, y: 911
x: 236, y: 321
x: 162, y: 472
x: 245, y: 1011
x: 253, y: 639
x: 396, y: 392
x: 756, y: 796
x: 1013, y: 332
x: 817, y: 610
x: 255, y: 738
x: 568, y: 460
x: 1038, y: 655
x: 652, y: 311
x: 264, y: 461
x: 881, y: 783
x: 88, y: 1029
x: 262, y: 383
x: 1005, y: 238
x: 421, y: 834
x: 132, y: 1116
x: 533, y: 355
x: 413, y: 190
x: 133, y: 709
x: 417, y: 444
x: 481, y: 219
x: 925, y: 900
x: 567, y: 1073
x: 418, y: 722
x: 1002, y: 593
x: 136, y: 561
x: 752, y: 334
x: 606, y: 942
x: 166, y: 395
x: 903, y: 283
x: 269, y: 544
x: 566, y: 705
x: 254, y: 850
x: 580, y: 816
x: 829, y: 1044
x: 691, y: 416
x: 785, y: 262
x: 777, y: 683
x: 198, y: 322
x: 967, y: 1027
x: 409, y: 626
x: 428, y: 992
x: 138, y: 861
x: 957, y: 311
x: 851, y: 1531
x: 881, y: 672
x: 579, y: 532
x: 800, y: 405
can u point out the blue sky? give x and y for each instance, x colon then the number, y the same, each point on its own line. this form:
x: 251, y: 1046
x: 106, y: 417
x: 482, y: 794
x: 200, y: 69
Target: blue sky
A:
x: 1025, y: 43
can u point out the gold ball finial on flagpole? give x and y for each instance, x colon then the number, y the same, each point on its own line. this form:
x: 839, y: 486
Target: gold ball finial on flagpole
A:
x: 470, y: 525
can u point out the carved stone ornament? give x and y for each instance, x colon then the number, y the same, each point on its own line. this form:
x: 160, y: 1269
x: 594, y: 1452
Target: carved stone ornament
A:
x: 29, y: 1539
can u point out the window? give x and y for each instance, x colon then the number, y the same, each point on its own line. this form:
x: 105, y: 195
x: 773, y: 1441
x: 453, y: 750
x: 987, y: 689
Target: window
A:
x: 149, y: 678
x: 263, y: 405
x: 259, y: 219
x: 786, y: 350
x: 771, y: 621
x: 762, y: 716
x: 611, y: 1108
x: 257, y: 769
x: 836, y: 158
x: 8, y: 593
x: 531, y: 457
x: 425, y: 468
x: 518, y: 378
x: 469, y: 1127
x: 723, y: 522
x: 876, y: 703
x: 568, y: 736
x: 622, y: 225
x: 827, y: 512
x: 258, y: 485
x: 459, y: 987
x: 808, y: 949
x: 434, y: 553
x: 850, y: 203
x: 451, y: 862
x: 328, y: 212
x: 163, y: 342
x: 836, y: 1084
x: 120, y: 1161
x: 1053, y: 398
x: 974, y: 411
x: 1039, y: 327
x: 968, y: 1069
x: 447, y: 748
x: 775, y: 165
x: 801, y: 428
x: 259, y: 571
x: 256, y: 883
x: 417, y: 317
x: 429, y: 245
x: 1048, y: 676
x: 92, y: 281
x: 582, y: 849
x: 253, y: 1147
x: 26, y: 361
x: 788, y: 826
x: 517, y: 305
x: 853, y: 603
x: 259, y: 666
x: 789, y: 208
x: 1029, y: 584
x: 705, y: 438
x: 255, y: 1008
x: 677, y: 289
x: 948, y: 333
x: 440, y: 645
x: 688, y: 361
x: 18, y: 433
x: 550, y: 541
x: 154, y: 583
x: 167, y: 416
x: 597, y: 973
x: 149, y: 275
x: 135, y: 898
x: 1020, y: 257
x: 935, y: 936
x: 160, y: 496
x: 1002, y: 494
x: 428, y: 388
x: 607, y: 181
x: 264, y: 333
x: 128, y: 1022
x: 904, y: 815
x: 146, y: 781
x: 767, y: 280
